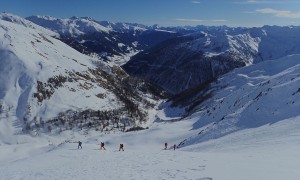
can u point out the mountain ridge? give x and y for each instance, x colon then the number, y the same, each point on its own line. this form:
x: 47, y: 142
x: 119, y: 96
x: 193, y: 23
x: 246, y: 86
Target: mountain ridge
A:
x: 111, y: 42
x: 210, y: 53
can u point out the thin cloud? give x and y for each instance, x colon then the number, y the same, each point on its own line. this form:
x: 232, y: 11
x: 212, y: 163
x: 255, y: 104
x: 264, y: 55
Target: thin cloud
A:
x: 218, y: 20
x: 196, y: 2
x: 265, y: 2
x: 249, y: 12
x: 260, y: 2
x: 189, y: 20
x: 200, y: 20
x: 279, y: 13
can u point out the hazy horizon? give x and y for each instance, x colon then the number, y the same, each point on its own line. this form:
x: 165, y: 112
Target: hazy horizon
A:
x: 232, y: 13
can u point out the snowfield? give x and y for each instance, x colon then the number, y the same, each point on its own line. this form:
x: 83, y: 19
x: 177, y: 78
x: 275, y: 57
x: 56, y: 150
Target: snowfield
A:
x: 262, y: 153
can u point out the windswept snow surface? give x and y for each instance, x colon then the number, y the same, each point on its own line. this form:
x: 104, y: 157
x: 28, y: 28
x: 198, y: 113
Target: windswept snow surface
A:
x: 253, y: 154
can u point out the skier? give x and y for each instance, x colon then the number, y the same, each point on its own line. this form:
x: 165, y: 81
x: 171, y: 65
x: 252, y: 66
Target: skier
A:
x: 166, y: 146
x: 121, y: 147
x: 174, y: 147
x: 79, y: 144
x: 102, y: 146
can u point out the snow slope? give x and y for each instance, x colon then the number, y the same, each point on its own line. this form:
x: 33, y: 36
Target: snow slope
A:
x: 245, y: 155
x: 28, y: 56
x: 252, y: 97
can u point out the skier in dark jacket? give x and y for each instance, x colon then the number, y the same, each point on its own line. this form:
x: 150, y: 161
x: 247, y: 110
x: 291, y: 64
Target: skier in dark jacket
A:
x: 174, y: 147
x: 102, y: 146
x: 166, y: 146
x: 79, y: 144
x: 121, y: 147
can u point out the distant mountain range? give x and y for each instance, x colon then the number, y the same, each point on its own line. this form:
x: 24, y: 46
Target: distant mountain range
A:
x: 114, y: 42
x: 194, y: 59
x: 175, y: 58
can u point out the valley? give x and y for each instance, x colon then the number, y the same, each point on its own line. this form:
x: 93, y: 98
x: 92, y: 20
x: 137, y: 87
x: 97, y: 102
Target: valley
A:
x: 227, y: 98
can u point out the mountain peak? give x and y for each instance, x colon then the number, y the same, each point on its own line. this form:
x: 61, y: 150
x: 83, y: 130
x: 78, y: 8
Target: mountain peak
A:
x: 13, y: 18
x: 74, y: 17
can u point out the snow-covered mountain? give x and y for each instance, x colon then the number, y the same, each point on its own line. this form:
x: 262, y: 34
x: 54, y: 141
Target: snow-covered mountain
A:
x: 44, y: 82
x: 114, y: 42
x: 197, y: 58
x: 73, y: 27
x: 28, y: 24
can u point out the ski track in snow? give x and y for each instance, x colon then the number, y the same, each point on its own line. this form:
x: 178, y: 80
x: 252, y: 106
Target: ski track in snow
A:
x: 68, y: 162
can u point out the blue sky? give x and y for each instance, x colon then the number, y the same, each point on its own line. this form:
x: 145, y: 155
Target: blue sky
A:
x: 166, y: 12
